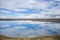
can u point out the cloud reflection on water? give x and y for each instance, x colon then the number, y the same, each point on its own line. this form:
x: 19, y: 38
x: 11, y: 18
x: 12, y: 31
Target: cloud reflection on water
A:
x: 28, y: 28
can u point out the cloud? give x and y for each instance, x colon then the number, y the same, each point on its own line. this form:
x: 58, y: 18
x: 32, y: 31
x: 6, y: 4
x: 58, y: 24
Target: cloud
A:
x: 48, y: 14
x: 30, y: 9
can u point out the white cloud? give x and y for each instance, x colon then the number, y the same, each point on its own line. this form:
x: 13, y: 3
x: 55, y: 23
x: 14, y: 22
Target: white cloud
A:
x: 15, y: 4
x: 23, y: 5
x: 49, y: 14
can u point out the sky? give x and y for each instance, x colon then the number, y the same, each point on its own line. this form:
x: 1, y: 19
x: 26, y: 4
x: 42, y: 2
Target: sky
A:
x: 47, y: 9
x: 30, y: 9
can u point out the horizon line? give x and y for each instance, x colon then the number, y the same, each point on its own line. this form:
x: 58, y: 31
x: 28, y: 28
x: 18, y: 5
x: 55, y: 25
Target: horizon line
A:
x: 14, y: 19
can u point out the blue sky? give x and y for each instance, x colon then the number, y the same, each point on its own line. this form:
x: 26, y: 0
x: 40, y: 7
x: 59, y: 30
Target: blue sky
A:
x: 29, y: 8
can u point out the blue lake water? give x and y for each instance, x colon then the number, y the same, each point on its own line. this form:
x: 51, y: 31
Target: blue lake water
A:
x: 28, y: 28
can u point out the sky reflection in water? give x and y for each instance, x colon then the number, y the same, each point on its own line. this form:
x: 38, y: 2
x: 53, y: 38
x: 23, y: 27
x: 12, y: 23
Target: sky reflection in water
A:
x: 28, y: 28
